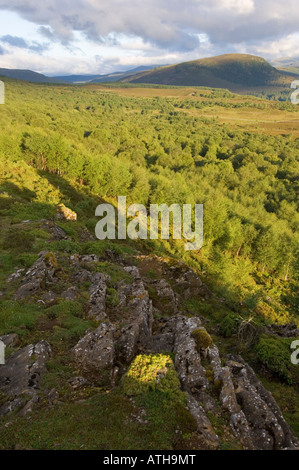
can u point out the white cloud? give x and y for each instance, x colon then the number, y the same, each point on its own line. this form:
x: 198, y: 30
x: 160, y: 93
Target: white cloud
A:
x: 149, y: 31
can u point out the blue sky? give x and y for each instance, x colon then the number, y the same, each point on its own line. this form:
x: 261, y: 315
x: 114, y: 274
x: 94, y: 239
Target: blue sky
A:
x: 100, y: 36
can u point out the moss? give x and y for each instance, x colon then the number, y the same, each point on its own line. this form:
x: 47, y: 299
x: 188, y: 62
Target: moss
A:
x: 153, y: 372
x: 275, y: 354
x: 115, y: 272
x: 67, y: 307
x: 202, y: 339
x: 51, y: 259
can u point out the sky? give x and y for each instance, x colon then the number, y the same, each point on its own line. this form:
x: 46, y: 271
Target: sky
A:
x: 62, y: 37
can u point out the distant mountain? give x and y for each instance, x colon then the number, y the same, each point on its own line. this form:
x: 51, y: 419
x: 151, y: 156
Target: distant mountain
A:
x: 287, y: 64
x: 236, y: 72
x: 28, y: 76
x: 76, y: 78
x: 110, y: 77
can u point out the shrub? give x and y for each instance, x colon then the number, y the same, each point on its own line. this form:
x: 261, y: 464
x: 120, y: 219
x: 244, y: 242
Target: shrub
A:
x: 275, y: 354
x: 18, y: 240
x: 229, y: 325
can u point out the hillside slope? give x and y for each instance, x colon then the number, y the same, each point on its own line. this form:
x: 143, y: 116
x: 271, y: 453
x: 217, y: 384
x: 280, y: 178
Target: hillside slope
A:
x: 28, y: 76
x: 235, y: 72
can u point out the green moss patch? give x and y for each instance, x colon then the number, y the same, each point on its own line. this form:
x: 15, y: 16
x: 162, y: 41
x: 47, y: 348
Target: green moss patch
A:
x: 202, y: 339
x: 153, y: 372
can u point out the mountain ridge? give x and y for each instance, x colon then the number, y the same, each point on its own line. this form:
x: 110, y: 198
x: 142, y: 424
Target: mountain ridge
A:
x: 235, y: 72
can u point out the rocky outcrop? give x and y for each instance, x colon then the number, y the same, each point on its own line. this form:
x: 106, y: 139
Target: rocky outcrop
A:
x: 70, y: 294
x: 22, y: 375
x: 64, y: 213
x: 217, y: 389
x: 139, y: 323
x: 187, y: 359
x: 166, y: 294
x: 268, y: 429
x: 96, y: 348
x: 283, y: 331
x: 39, y: 276
x: 97, y: 300
x: 254, y: 417
x: 56, y: 232
x: 10, y: 340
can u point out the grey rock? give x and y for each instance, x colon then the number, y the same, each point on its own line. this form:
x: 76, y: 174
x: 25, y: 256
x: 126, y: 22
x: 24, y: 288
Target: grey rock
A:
x: 70, y: 294
x: 28, y: 408
x: 38, y: 276
x: 11, y: 405
x: 89, y: 259
x: 22, y: 373
x: 187, y: 359
x: 204, y: 427
x: 140, y: 320
x: 96, y: 348
x: 159, y: 343
x: 77, y: 382
x: 268, y: 429
x: 283, y: 331
x: 10, y: 340
x: 97, y: 300
x: 17, y: 274
x: 82, y: 275
x: 53, y: 396
x: 48, y: 298
x: 166, y: 293
x: 57, y: 232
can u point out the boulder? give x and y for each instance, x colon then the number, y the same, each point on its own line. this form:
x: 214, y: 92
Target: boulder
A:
x: 97, y: 299
x: 140, y: 320
x: 64, y: 213
x: 187, y: 358
x: 39, y: 276
x: 22, y: 374
x: 96, y: 348
x: 70, y: 294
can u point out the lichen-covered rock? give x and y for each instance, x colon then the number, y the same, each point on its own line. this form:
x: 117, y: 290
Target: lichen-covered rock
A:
x: 96, y: 348
x: 166, y: 294
x: 64, y: 213
x: 17, y: 274
x: 10, y: 340
x: 187, y: 358
x: 284, y: 331
x: 70, y: 294
x: 39, y: 276
x: 57, y: 232
x: 268, y: 429
x: 97, y: 300
x: 204, y: 427
x: 22, y: 374
x: 48, y: 298
x: 139, y: 326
